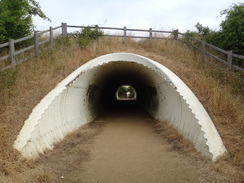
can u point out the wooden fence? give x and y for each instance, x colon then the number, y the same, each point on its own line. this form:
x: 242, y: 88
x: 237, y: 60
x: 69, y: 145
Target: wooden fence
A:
x: 11, y: 60
x: 203, y: 45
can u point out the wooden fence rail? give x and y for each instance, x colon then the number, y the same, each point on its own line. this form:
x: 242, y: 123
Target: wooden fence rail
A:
x: 199, y: 44
x: 229, y: 54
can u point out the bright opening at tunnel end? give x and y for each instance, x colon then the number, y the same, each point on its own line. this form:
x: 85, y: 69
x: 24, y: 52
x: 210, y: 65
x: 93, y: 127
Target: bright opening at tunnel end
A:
x: 126, y: 92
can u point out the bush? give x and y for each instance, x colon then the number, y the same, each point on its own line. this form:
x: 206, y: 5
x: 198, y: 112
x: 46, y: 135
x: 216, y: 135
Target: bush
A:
x: 88, y: 34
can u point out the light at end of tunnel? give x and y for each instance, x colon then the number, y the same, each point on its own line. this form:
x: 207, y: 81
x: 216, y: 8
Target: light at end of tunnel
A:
x: 126, y: 92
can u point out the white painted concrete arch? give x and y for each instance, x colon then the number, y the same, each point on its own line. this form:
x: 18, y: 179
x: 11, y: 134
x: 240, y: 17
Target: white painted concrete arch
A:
x: 79, y: 98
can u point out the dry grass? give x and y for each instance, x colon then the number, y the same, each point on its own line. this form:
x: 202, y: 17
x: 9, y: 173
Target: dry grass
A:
x: 218, y: 172
x: 220, y: 91
x: 177, y: 141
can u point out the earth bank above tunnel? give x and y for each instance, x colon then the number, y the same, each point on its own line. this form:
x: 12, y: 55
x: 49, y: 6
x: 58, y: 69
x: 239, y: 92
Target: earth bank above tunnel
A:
x: 91, y: 89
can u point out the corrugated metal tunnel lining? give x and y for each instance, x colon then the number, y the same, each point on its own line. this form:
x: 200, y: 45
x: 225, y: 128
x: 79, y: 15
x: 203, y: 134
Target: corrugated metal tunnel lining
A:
x: 91, y: 89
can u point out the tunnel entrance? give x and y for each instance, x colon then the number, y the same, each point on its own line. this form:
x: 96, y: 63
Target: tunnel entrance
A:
x: 126, y: 92
x: 124, y: 87
x: 91, y: 90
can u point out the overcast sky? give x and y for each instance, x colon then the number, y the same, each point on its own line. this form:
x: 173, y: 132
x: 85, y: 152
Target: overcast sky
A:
x: 156, y: 14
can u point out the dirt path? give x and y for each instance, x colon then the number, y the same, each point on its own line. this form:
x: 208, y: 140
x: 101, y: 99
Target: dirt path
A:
x: 121, y: 149
x: 117, y: 149
x: 128, y: 150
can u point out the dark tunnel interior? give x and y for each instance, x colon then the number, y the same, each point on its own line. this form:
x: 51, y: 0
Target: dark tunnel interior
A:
x: 109, y: 77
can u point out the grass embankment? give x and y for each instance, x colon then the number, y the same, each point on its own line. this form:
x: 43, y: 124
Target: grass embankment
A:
x: 220, y: 91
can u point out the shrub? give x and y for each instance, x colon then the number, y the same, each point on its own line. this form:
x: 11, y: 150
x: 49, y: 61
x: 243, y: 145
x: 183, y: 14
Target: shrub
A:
x: 88, y: 34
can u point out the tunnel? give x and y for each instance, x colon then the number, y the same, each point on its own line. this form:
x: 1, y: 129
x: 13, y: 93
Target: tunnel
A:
x: 109, y: 77
x: 91, y: 90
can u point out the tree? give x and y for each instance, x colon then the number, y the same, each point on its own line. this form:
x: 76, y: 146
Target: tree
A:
x: 232, y: 28
x: 202, y: 31
x: 16, y: 18
x: 231, y: 33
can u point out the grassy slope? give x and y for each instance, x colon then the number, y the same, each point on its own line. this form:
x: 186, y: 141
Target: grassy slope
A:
x: 220, y: 91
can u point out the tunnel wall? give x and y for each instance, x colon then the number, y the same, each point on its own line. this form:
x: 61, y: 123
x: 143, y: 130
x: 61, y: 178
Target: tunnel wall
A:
x: 77, y: 100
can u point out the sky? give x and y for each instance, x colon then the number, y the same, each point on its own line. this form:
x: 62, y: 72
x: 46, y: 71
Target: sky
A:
x: 164, y: 15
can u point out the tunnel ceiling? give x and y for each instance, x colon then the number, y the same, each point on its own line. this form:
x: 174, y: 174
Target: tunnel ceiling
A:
x: 90, y: 89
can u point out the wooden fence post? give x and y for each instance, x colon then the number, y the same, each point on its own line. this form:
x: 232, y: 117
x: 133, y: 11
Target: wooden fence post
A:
x: 150, y: 34
x: 36, y: 43
x: 12, y: 51
x: 187, y: 38
x: 64, y: 29
x: 51, y: 37
x: 125, y: 35
x: 176, y: 34
x: 203, y: 50
x: 229, y: 59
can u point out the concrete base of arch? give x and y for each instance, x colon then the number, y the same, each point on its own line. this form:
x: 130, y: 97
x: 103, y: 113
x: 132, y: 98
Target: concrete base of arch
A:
x: 90, y: 89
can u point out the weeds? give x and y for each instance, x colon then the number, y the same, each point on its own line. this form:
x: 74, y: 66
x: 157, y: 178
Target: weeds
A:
x: 7, y: 83
x: 44, y: 178
x: 178, y: 142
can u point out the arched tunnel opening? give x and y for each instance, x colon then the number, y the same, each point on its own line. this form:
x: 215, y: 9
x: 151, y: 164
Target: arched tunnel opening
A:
x: 109, y: 77
x: 90, y: 91
x: 126, y: 92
